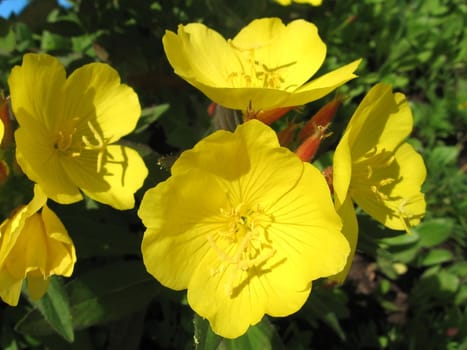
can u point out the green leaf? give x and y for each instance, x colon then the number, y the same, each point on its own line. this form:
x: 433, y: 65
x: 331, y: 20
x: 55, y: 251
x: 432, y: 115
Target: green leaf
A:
x: 204, y: 337
x: 54, y: 42
x: 24, y: 37
x: 261, y: 336
x: 327, y: 305
x: 459, y: 269
x: 434, y: 232
x: 461, y: 296
x: 104, y: 294
x: 436, y: 256
x: 55, y: 310
x: 7, y: 43
x: 435, y: 284
x: 150, y: 115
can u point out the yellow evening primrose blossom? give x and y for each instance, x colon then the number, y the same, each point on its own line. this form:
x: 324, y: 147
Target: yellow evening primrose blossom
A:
x: 309, y: 2
x: 376, y: 169
x: 267, y: 65
x: 244, y: 225
x: 34, y: 245
x: 67, y: 127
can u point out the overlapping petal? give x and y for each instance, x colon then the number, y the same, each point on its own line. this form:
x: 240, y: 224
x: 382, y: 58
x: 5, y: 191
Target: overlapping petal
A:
x: 34, y: 245
x: 374, y: 167
x: 372, y: 163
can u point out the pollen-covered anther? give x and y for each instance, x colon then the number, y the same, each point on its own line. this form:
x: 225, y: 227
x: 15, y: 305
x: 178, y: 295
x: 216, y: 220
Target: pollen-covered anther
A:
x: 242, y: 244
x: 64, y: 143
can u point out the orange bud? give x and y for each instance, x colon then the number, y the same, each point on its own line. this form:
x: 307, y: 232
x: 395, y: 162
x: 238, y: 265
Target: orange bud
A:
x: 286, y: 135
x: 212, y: 109
x: 321, y: 119
x: 307, y: 150
x: 269, y: 117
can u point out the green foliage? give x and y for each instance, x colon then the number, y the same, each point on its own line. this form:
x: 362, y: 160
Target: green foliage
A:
x: 405, y: 291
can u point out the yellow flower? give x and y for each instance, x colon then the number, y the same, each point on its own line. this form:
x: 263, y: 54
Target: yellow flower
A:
x: 376, y: 169
x: 266, y: 66
x: 244, y: 225
x: 67, y: 127
x: 309, y: 2
x: 34, y: 246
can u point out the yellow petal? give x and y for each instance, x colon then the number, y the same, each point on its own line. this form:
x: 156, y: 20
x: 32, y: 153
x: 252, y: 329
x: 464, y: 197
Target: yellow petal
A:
x: 40, y: 161
x: 402, y: 205
x: 61, y: 255
x: 111, y: 177
x: 201, y: 157
x: 350, y: 231
x: 342, y: 171
x: 312, y: 225
x: 10, y: 287
x: 242, y: 98
x: 95, y: 95
x: 382, y: 119
x: 323, y: 85
x: 37, y: 89
x: 28, y: 252
x: 177, y: 236
x: 231, y: 315
x: 11, y: 229
x: 196, y: 52
x: 294, y: 50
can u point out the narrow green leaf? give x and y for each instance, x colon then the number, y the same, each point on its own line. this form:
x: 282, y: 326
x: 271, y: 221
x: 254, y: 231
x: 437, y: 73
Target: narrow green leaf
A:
x: 55, y: 309
x: 150, y: 115
x: 101, y: 295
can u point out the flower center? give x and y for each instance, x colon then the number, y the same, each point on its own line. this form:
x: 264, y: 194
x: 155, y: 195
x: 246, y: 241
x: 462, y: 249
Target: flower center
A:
x: 68, y: 144
x: 376, y: 172
x: 65, y: 140
x: 243, y: 242
x: 375, y: 175
x: 256, y: 74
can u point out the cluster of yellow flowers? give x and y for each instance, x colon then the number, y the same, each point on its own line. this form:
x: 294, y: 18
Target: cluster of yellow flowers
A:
x: 243, y: 223
x: 64, y: 144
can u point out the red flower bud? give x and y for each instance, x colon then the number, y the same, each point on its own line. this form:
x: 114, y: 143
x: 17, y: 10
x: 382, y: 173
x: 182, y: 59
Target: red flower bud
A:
x: 321, y: 119
x: 269, y: 117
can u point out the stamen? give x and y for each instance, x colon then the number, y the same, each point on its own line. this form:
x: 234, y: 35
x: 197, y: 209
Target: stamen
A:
x: 245, y: 231
x: 99, y: 145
